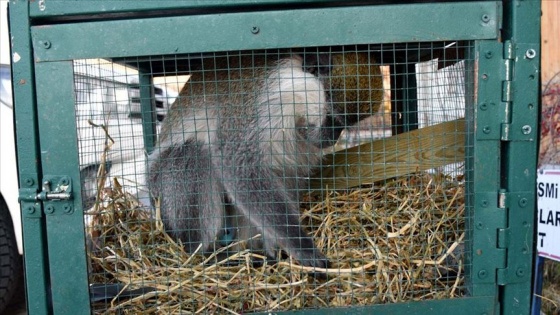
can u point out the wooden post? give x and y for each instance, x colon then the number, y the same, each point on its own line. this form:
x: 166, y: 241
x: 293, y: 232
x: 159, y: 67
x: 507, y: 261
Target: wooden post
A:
x: 550, y: 39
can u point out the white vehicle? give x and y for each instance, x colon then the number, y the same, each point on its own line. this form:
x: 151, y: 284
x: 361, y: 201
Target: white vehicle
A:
x: 102, y: 98
x: 108, y: 94
x: 11, y: 247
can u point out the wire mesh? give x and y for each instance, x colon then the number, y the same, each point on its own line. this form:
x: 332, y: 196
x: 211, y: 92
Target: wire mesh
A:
x: 279, y: 180
x: 549, y: 150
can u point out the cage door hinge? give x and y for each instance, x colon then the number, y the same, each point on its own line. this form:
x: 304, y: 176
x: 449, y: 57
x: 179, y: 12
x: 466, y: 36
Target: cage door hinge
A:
x: 507, y: 90
x: 505, y: 274
x: 517, y: 131
x: 507, y: 71
x: 502, y: 239
x: 502, y: 272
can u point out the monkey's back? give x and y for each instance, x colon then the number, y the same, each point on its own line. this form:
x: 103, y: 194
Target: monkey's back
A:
x: 256, y: 107
x: 227, y: 84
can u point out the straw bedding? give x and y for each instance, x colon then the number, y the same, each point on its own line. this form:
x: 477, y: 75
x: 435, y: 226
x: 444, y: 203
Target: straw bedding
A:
x: 397, y: 241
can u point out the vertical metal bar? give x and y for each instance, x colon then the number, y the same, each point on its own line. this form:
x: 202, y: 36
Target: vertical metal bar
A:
x: 411, y: 97
x: 59, y: 156
x: 538, y: 285
x: 148, y: 108
x: 484, y: 217
x: 404, y: 112
x: 29, y: 167
x: 470, y: 139
x: 522, y: 28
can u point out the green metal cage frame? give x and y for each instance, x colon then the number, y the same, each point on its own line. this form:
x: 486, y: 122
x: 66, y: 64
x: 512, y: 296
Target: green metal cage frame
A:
x: 48, y: 35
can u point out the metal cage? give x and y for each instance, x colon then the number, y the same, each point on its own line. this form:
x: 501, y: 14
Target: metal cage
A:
x: 181, y: 156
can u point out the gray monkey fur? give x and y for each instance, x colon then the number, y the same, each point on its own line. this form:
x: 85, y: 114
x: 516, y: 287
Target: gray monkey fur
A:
x: 235, y: 149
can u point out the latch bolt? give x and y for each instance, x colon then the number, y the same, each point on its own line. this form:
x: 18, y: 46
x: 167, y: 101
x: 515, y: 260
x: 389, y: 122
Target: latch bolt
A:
x: 62, y: 190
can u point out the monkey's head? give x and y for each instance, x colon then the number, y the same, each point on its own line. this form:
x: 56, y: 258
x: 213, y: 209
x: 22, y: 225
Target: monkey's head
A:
x: 355, y: 84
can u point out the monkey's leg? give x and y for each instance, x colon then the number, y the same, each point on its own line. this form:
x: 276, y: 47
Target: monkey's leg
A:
x: 191, y: 198
x: 261, y: 197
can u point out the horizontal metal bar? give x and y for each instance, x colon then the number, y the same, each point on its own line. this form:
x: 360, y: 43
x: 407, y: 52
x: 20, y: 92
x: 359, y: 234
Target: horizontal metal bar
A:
x: 267, y: 29
x: 61, y: 9
x: 458, y: 306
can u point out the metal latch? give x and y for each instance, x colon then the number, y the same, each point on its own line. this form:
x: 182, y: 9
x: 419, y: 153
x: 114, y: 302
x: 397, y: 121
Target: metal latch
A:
x: 62, y: 189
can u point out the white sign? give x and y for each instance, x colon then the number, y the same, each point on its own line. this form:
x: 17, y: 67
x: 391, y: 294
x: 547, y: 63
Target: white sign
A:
x: 548, y: 213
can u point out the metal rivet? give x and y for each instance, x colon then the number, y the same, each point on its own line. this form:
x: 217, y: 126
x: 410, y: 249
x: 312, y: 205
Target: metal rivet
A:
x: 485, y: 18
x: 64, y: 181
x: 479, y: 225
x: 46, y: 44
x: 530, y: 53
x: 489, y: 54
x: 484, y: 76
x: 29, y: 181
x: 523, y: 202
x: 49, y: 209
x: 486, y: 129
x: 42, y: 6
x: 482, y: 274
x: 526, y: 129
x: 68, y: 209
x: 520, y: 272
x: 255, y: 30
x: 483, y: 106
x: 30, y: 209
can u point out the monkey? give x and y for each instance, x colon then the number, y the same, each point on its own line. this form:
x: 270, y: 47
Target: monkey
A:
x: 352, y: 79
x: 244, y: 156
x: 236, y: 148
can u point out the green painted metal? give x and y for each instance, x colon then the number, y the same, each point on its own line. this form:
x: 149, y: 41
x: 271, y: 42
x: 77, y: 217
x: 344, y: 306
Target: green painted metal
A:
x: 64, y: 218
x: 484, y: 217
x: 29, y: 167
x: 469, y: 167
x: 501, y: 119
x: 506, y: 128
x: 68, y: 8
x: 404, y: 111
x: 63, y: 8
x: 236, y: 31
x: 522, y: 28
x: 467, y: 305
x: 148, y: 111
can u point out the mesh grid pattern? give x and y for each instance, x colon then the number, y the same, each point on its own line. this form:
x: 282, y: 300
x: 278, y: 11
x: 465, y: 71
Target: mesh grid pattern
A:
x: 261, y: 192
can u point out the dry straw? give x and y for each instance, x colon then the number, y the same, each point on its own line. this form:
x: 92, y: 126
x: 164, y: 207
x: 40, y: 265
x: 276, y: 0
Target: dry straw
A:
x: 395, y: 242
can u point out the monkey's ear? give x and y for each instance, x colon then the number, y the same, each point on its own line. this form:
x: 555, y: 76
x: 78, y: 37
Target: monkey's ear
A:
x: 317, y: 63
